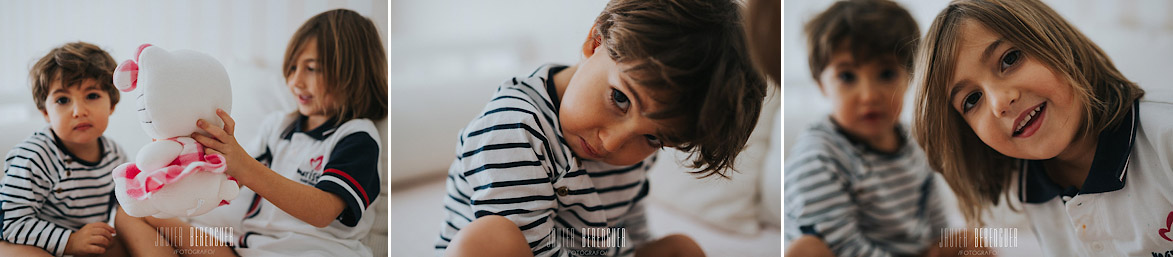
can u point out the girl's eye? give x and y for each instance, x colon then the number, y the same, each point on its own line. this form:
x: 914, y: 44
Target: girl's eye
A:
x: 653, y: 141
x: 310, y: 69
x: 93, y: 96
x: 1010, y: 59
x: 847, y: 76
x: 61, y: 100
x: 620, y: 100
x: 971, y: 100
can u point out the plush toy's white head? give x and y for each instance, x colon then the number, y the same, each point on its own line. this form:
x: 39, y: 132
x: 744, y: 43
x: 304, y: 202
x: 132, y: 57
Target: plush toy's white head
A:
x: 175, y: 89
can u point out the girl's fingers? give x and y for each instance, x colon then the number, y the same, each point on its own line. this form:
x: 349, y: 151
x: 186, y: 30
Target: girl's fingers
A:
x: 216, y: 132
x: 229, y: 123
x: 205, y: 140
x: 210, y: 151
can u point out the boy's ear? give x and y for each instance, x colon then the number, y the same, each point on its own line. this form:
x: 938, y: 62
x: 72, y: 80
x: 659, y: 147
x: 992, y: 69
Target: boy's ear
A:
x: 592, y: 42
x: 45, y: 114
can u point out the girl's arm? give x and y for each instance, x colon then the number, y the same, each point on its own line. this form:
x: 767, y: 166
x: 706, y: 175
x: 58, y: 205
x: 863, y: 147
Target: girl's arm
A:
x: 309, y: 204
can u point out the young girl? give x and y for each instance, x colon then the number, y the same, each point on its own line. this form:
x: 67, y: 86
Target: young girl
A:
x: 314, y: 171
x: 1016, y: 101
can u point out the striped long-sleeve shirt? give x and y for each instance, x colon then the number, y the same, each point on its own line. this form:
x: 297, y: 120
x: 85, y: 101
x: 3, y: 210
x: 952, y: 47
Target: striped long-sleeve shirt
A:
x: 47, y: 193
x: 512, y: 161
x: 861, y: 202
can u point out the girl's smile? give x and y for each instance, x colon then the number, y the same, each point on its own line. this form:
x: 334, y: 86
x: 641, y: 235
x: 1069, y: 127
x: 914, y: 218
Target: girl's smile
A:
x: 1030, y: 121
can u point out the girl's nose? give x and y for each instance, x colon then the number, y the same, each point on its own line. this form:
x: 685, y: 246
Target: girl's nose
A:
x: 1002, y: 100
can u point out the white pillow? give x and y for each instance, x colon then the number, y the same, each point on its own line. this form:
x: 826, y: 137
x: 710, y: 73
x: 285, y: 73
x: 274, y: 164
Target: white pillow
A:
x: 727, y: 204
x: 770, y: 188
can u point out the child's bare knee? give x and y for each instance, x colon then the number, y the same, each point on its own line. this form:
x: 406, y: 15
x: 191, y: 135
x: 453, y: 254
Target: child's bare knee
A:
x: 489, y: 236
x: 809, y: 246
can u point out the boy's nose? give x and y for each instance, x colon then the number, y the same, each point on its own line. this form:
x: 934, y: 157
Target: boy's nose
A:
x: 614, y: 138
x: 79, y: 110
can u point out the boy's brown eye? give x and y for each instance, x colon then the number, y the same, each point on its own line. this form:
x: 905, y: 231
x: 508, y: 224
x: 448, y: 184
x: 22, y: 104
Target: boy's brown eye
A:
x: 847, y: 76
x: 61, y: 100
x: 887, y: 75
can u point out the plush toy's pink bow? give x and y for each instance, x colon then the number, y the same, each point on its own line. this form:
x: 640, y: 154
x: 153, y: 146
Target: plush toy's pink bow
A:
x: 126, y: 75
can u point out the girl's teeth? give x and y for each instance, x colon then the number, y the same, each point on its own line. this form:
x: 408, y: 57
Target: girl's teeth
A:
x: 1029, y: 117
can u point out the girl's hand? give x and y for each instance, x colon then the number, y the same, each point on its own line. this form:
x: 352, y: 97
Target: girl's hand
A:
x: 224, y: 143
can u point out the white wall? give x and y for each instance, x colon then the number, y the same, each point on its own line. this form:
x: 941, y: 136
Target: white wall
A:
x: 456, y: 57
x: 248, y: 37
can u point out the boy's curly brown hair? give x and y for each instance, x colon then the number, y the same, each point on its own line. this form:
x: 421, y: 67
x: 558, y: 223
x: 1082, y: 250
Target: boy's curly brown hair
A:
x: 72, y: 64
x: 693, y: 54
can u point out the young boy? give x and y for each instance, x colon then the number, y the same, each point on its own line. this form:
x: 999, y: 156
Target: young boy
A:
x: 56, y: 193
x: 556, y: 163
x: 855, y: 182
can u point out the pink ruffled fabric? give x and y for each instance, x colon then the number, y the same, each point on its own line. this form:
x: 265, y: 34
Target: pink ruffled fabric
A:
x: 141, y: 184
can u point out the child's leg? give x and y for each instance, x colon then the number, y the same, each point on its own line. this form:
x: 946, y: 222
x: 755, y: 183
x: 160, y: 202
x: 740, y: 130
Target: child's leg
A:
x: 489, y: 236
x: 808, y: 245
x: 218, y: 250
x: 671, y: 245
x: 10, y: 249
x: 117, y: 248
x: 140, y: 238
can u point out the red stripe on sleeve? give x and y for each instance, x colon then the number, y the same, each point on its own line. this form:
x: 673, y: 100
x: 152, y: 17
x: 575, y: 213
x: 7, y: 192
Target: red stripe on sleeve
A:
x: 366, y: 200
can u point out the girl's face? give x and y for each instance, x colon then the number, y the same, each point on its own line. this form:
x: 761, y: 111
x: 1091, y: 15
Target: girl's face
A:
x: 1016, y: 104
x: 307, y: 84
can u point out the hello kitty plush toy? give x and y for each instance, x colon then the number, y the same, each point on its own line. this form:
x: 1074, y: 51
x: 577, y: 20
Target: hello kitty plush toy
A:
x: 173, y: 177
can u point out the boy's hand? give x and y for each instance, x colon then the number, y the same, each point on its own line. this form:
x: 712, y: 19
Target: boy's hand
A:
x: 93, y: 238
x: 223, y: 143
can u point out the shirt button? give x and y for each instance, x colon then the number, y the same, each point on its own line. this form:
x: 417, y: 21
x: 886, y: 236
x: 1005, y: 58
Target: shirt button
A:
x: 59, y: 190
x: 563, y: 191
x: 68, y: 173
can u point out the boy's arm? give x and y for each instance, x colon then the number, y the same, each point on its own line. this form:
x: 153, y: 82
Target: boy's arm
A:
x: 820, y: 202
x: 24, y: 188
x: 506, y: 177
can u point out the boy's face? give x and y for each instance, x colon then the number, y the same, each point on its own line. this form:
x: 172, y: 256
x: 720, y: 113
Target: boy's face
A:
x: 306, y: 82
x: 602, y: 113
x: 1014, y: 103
x: 866, y: 97
x: 78, y: 114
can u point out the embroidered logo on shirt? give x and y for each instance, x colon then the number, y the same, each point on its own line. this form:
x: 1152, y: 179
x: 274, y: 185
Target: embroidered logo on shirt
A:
x: 1164, y: 231
x: 316, y: 163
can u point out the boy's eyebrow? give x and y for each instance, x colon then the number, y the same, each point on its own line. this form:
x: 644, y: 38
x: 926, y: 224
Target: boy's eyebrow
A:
x: 634, y: 95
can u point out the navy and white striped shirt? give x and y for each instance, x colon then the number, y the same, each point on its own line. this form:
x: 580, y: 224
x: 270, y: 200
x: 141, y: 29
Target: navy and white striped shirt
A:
x: 47, y: 193
x: 512, y: 161
x: 859, y: 201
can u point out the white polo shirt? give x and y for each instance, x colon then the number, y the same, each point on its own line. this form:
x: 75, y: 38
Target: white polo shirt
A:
x: 1125, y: 206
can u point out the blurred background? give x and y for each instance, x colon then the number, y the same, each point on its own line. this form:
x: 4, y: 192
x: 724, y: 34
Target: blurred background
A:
x: 1136, y: 34
x: 447, y: 59
x: 247, y: 37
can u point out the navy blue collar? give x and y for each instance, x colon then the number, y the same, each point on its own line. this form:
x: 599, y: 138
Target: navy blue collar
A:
x: 1108, y: 166
x: 319, y: 133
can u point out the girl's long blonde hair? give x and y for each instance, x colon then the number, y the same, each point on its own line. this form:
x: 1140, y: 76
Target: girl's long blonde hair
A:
x: 978, y: 174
